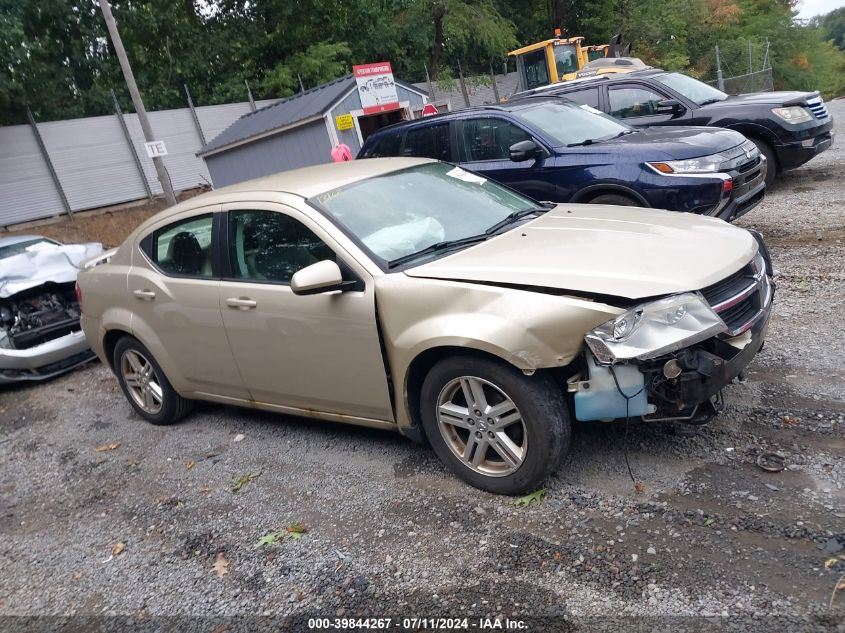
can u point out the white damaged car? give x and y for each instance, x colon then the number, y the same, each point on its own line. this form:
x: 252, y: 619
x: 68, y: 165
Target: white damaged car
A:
x: 40, y: 335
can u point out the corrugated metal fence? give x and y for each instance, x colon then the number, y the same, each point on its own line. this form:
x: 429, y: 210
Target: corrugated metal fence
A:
x: 94, y: 163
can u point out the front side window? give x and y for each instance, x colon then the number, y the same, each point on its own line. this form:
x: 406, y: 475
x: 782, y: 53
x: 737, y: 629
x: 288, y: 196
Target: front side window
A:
x: 406, y: 211
x: 271, y: 246
x: 536, y: 70
x: 183, y: 248
x: 633, y: 102
x: 568, y: 123
x: 431, y: 141
x: 491, y: 139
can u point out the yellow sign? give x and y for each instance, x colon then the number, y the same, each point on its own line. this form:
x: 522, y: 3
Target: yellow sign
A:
x: 344, y: 122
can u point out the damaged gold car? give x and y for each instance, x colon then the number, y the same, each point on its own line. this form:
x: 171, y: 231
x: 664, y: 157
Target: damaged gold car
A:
x: 412, y: 295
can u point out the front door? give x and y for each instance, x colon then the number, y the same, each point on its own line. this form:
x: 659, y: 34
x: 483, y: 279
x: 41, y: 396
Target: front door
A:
x: 176, y: 310
x: 316, y: 353
x: 486, y: 144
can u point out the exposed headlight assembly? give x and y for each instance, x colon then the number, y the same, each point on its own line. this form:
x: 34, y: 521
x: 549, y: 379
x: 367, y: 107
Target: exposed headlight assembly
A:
x: 652, y: 329
x: 793, y: 114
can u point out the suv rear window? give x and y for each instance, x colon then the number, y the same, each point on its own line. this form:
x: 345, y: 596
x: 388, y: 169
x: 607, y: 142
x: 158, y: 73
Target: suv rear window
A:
x: 387, y: 145
x: 589, y: 97
x: 431, y: 141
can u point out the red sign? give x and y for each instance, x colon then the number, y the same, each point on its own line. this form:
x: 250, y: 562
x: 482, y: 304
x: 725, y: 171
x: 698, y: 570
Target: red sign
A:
x: 376, y: 87
x: 429, y: 109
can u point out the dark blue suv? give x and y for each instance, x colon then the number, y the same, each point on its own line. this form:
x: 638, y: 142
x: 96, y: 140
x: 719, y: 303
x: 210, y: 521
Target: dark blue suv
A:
x: 555, y: 149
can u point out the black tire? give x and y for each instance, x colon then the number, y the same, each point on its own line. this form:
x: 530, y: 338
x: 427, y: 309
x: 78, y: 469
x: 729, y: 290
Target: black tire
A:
x: 772, y: 169
x: 615, y: 198
x: 544, y: 416
x: 173, y: 407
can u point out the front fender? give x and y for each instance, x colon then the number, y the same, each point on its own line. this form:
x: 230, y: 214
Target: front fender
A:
x: 530, y: 329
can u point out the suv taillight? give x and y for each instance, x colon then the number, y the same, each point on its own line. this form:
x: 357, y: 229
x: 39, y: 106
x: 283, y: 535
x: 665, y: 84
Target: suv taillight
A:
x: 78, y: 296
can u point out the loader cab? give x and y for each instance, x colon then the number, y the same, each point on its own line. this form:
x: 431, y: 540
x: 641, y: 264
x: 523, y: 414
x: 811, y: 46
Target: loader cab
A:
x: 548, y: 62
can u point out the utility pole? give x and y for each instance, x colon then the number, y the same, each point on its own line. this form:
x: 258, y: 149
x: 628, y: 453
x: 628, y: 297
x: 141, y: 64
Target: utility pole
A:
x: 163, y: 177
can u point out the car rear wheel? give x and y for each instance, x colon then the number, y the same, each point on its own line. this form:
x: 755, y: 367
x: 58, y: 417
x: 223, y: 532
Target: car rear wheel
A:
x: 771, y: 160
x: 145, y: 385
x: 492, y: 425
x: 615, y: 198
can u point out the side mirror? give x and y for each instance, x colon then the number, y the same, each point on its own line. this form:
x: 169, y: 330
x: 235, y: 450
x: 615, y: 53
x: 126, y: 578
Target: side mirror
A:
x: 670, y: 106
x: 526, y: 150
x: 324, y: 276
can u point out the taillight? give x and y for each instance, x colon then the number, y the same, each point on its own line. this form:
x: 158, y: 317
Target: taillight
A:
x: 78, y: 296
x: 728, y: 185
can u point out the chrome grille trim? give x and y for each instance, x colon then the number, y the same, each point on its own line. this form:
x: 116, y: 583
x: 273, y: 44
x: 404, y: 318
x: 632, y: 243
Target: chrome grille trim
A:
x: 817, y: 107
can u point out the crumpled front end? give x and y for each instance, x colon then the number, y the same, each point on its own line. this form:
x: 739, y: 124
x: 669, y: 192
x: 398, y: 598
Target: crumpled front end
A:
x: 671, y: 358
x: 40, y: 335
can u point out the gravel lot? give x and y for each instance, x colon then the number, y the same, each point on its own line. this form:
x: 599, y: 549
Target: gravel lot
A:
x: 392, y: 534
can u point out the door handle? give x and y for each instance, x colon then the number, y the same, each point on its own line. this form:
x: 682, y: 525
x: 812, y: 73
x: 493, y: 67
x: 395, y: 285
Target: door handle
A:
x: 144, y: 295
x: 241, y: 303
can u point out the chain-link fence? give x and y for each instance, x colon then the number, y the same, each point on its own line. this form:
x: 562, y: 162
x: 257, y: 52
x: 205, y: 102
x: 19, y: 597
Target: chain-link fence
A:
x: 758, y: 81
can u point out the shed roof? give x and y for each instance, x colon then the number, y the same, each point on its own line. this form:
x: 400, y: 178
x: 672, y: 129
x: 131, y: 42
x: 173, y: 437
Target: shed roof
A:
x: 286, y: 113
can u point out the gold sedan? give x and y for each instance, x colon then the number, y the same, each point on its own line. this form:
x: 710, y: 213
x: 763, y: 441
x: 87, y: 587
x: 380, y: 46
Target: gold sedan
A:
x: 412, y: 295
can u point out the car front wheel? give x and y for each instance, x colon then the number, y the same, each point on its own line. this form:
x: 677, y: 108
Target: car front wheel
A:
x: 145, y: 385
x: 495, y: 427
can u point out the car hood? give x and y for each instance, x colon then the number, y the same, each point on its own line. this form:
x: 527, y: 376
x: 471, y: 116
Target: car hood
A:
x: 792, y: 97
x: 58, y: 263
x: 667, y: 143
x: 624, y: 252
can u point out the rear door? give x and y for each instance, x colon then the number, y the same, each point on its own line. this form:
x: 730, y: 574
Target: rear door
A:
x: 173, y: 286
x: 485, y: 149
x: 430, y: 141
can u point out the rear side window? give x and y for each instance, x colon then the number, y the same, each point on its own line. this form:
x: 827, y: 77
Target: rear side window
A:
x: 384, y: 146
x: 588, y: 97
x: 184, y: 248
x: 491, y: 139
x: 431, y: 141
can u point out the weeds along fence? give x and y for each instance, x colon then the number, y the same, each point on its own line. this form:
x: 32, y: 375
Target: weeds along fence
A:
x: 59, y: 167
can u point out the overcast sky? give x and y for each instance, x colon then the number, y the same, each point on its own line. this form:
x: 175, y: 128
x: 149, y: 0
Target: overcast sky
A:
x: 809, y: 8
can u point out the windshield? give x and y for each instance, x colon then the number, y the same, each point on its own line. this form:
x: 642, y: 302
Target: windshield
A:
x: 404, y: 212
x: 696, y: 91
x: 19, y: 247
x: 571, y: 124
x: 566, y: 59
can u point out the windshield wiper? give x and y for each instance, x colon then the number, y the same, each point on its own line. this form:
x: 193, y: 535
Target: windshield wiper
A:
x: 713, y: 100
x: 511, y: 218
x: 588, y: 141
x: 437, y: 246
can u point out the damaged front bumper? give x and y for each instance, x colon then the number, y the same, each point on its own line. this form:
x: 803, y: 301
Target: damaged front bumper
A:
x: 684, y: 384
x: 46, y: 360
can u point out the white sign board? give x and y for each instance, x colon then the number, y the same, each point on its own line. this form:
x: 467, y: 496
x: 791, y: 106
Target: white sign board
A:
x: 376, y: 87
x: 155, y: 149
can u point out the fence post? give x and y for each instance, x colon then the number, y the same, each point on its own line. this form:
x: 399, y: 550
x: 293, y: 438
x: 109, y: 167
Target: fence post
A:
x: 750, y: 68
x: 430, y: 85
x: 720, y: 81
x: 249, y: 94
x: 463, y: 85
x: 49, y: 162
x: 119, y: 114
x: 495, y: 86
x: 194, y: 114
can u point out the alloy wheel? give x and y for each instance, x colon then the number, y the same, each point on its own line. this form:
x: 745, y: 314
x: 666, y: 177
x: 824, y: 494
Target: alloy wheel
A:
x: 482, y: 426
x: 142, y: 381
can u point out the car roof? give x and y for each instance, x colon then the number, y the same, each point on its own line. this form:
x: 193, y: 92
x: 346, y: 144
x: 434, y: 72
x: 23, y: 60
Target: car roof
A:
x: 518, y: 103
x: 312, y: 181
x: 17, y: 239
